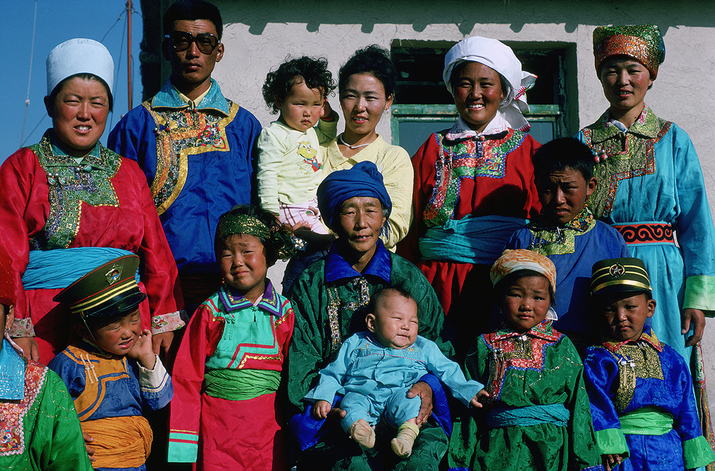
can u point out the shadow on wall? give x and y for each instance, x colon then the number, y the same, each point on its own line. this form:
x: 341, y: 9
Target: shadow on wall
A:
x: 516, y: 13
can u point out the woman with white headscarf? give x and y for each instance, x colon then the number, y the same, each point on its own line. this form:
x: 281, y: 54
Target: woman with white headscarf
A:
x: 474, y: 182
x: 69, y: 205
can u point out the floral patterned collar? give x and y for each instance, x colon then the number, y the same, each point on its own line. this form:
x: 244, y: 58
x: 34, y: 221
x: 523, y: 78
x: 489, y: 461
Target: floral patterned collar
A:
x: 648, y: 336
x: 544, y: 330
x: 583, y: 222
x: 168, y: 97
x: 461, y: 130
x: 647, y: 125
x: 60, y: 158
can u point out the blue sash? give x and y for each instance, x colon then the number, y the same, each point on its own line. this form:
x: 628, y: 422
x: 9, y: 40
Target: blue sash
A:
x: 12, y: 373
x: 556, y: 414
x: 59, y: 268
x: 480, y: 240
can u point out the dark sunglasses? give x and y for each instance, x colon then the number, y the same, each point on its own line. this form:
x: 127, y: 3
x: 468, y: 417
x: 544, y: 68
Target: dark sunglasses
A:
x: 181, y: 41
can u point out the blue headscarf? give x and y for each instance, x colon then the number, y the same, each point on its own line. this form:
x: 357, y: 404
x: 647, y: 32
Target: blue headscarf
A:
x: 364, y: 179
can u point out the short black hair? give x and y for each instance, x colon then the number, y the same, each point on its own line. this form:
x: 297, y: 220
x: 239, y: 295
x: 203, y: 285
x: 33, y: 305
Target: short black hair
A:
x: 564, y: 153
x: 313, y: 72
x: 372, y: 60
x: 193, y: 10
x: 383, y: 293
x: 278, y: 244
x: 85, y: 76
x: 504, y: 283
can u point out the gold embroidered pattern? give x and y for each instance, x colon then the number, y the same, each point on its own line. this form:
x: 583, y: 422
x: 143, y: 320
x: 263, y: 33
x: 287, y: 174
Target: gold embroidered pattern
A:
x: 634, y: 361
x: 179, y: 134
x: 629, y: 155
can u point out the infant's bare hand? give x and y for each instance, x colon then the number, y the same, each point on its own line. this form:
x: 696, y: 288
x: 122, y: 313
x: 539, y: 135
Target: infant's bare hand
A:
x: 476, y: 399
x: 321, y: 409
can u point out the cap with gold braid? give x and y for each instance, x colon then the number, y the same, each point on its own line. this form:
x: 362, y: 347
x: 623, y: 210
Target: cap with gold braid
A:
x: 618, y: 275
x: 108, y: 290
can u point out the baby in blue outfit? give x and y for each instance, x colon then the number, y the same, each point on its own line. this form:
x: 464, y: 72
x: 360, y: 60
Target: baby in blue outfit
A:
x: 375, y: 369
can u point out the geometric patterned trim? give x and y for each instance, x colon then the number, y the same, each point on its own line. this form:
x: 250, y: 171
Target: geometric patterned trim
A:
x: 12, y: 414
x: 179, y: 134
x: 469, y: 158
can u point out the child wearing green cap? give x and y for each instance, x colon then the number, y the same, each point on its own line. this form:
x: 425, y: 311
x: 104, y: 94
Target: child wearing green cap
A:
x: 111, y: 371
x: 641, y: 392
x: 228, y: 368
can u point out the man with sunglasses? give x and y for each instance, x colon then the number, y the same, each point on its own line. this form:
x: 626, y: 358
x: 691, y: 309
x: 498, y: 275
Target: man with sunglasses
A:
x: 194, y: 145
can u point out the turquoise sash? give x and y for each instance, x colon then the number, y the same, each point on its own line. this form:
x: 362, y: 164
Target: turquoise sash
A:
x: 12, y: 373
x: 480, y: 240
x: 556, y: 414
x: 59, y: 268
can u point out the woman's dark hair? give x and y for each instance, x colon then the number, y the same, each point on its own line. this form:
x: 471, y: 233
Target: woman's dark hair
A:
x: 60, y: 86
x: 313, y: 72
x: 458, y: 69
x: 564, y: 153
x: 278, y: 244
x: 372, y: 60
x: 192, y: 10
x: 501, y: 287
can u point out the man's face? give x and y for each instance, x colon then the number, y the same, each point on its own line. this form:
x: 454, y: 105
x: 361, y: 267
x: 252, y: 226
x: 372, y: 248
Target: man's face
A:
x: 191, y: 69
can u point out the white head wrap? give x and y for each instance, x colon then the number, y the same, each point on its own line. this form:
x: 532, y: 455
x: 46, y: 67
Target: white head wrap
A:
x: 501, y: 58
x: 79, y: 56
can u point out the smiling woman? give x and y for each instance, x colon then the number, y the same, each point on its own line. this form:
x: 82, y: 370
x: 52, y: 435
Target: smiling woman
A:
x: 70, y: 205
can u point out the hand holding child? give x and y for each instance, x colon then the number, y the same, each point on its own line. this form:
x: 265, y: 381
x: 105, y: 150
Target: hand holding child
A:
x: 475, y: 400
x: 142, y: 350
x: 90, y: 450
x: 326, y: 114
x: 321, y: 409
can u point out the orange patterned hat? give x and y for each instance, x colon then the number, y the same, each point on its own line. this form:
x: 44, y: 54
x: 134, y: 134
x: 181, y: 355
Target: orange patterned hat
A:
x: 521, y: 259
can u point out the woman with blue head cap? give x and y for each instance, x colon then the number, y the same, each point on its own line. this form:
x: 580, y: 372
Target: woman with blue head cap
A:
x: 69, y: 205
x: 330, y: 300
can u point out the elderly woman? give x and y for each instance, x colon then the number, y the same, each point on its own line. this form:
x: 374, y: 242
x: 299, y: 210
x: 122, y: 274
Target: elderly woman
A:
x: 330, y: 299
x: 69, y: 205
x: 651, y: 187
x: 40, y: 429
x: 474, y: 183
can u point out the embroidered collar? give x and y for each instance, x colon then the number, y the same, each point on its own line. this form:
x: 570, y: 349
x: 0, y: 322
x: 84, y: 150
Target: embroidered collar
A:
x: 461, y: 130
x: 12, y: 373
x: 232, y: 300
x: 648, y: 336
x: 647, y: 125
x: 583, y: 222
x: 93, y: 160
x: 544, y: 330
x: 168, y: 97
x: 90, y: 347
x: 336, y: 268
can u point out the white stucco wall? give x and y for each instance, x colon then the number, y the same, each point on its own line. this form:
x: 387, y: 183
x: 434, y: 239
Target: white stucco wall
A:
x: 259, y: 35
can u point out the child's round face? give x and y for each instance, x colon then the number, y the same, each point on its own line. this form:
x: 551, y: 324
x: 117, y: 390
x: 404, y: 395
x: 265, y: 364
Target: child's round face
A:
x: 625, y: 314
x: 563, y: 194
x: 526, y: 302
x: 301, y: 108
x: 117, y: 334
x: 243, y: 265
x: 394, y: 322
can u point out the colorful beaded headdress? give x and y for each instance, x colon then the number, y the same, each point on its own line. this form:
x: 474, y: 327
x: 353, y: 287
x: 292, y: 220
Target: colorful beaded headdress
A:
x: 234, y: 223
x: 644, y: 43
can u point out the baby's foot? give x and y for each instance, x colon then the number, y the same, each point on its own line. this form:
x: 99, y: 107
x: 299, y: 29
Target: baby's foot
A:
x: 402, y: 443
x: 363, y: 433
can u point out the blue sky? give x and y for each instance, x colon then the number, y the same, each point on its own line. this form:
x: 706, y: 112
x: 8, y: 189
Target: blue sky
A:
x: 58, y: 21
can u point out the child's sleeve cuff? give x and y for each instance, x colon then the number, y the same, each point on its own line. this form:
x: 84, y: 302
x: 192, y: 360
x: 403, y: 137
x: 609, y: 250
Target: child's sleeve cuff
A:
x: 183, y: 447
x: 611, y: 441
x: 697, y: 453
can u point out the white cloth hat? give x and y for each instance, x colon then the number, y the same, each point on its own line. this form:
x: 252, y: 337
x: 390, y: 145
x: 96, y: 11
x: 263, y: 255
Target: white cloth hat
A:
x: 79, y: 56
x: 500, y: 57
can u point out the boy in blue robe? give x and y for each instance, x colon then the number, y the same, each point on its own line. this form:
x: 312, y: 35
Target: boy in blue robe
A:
x: 112, y: 373
x: 641, y: 392
x: 567, y: 233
